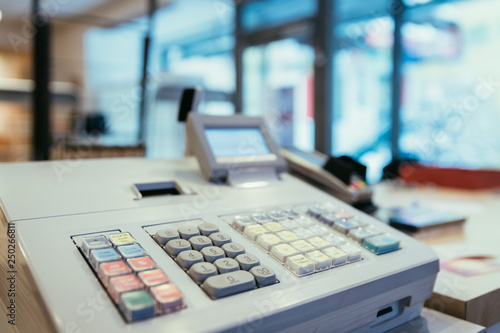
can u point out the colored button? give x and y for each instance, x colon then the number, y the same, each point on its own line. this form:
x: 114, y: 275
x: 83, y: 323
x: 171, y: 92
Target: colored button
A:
x: 107, y: 270
x: 287, y: 236
x: 291, y: 213
x: 153, y: 278
x: 343, y: 226
x: 130, y: 251
x: 289, y: 224
x: 267, y: 241
x: 302, y: 246
x: 303, y: 221
x: 303, y: 233
x: 319, y: 242
x: 241, y: 221
x: 329, y: 218
x: 300, y: 265
x: 123, y: 238
x: 282, y: 251
x: 168, y: 298
x: 122, y: 284
x: 254, y: 230
x: 94, y: 243
x: 333, y: 239
x: 141, y: 263
x: 261, y: 218
x: 137, y: 305
x: 319, y: 229
x: 321, y: 260
x: 273, y: 226
x: 381, y: 244
x: 338, y: 257
x: 353, y: 253
x: 102, y: 255
x: 277, y: 215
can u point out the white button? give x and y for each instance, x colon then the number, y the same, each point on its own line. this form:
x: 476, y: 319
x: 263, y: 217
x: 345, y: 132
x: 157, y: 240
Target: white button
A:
x: 300, y: 265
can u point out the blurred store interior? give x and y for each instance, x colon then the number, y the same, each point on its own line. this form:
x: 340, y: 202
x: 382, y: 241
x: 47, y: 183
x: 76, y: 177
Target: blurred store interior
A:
x: 369, y: 79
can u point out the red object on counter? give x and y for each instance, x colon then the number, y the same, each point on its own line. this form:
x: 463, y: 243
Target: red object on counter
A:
x: 451, y: 177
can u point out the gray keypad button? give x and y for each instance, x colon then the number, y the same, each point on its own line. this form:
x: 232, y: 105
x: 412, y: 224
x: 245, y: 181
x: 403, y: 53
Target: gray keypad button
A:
x: 188, y: 258
x: 264, y: 275
x: 187, y: 232
x: 208, y: 228
x: 247, y: 261
x: 220, y: 238
x: 176, y: 246
x: 228, y: 284
x: 212, y: 253
x: 226, y: 265
x: 162, y: 236
x: 199, y: 242
x: 200, y: 271
x: 233, y: 249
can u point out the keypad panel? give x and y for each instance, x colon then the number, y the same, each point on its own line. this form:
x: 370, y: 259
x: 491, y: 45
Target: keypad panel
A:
x: 219, y: 265
x: 130, y: 276
x: 312, y: 238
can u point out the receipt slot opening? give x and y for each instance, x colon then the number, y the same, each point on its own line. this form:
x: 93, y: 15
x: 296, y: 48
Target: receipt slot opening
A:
x: 168, y: 188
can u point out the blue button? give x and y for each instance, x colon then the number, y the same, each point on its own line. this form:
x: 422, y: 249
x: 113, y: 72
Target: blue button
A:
x: 103, y: 255
x: 381, y: 244
x: 131, y: 251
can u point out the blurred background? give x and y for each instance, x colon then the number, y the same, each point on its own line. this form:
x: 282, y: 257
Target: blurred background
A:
x: 369, y: 79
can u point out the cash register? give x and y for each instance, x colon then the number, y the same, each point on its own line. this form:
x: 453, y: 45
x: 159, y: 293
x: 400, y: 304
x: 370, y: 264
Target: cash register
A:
x: 226, y: 241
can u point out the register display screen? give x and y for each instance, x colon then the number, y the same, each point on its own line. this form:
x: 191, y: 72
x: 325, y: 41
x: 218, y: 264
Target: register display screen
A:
x: 236, y: 142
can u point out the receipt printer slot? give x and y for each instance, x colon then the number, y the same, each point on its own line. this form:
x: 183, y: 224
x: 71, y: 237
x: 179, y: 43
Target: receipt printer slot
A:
x: 144, y: 190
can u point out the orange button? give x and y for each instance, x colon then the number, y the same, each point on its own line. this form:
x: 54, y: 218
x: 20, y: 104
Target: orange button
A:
x: 168, y: 298
x: 109, y: 269
x: 141, y: 263
x: 153, y: 278
x: 124, y: 283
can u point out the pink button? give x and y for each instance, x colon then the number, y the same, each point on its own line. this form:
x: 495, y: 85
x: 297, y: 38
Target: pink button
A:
x: 168, y: 298
x: 109, y: 269
x: 153, y: 278
x: 141, y: 263
x: 121, y: 284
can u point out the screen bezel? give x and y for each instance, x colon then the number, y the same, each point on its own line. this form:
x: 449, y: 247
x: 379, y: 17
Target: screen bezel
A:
x: 218, y: 168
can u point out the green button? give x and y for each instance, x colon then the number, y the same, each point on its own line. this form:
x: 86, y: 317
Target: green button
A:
x: 137, y: 305
x: 381, y: 244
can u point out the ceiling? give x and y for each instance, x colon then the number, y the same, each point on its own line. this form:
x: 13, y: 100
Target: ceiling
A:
x: 16, y: 9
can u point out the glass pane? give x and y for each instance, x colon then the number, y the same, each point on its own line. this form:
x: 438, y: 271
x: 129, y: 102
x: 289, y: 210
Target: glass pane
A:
x: 362, y: 93
x: 113, y: 62
x: 278, y: 84
x: 450, y: 112
x: 261, y: 14
x: 193, y: 48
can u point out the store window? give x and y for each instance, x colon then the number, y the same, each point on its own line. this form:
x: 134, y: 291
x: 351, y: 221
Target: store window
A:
x: 362, y: 92
x: 450, y: 110
x: 278, y: 84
